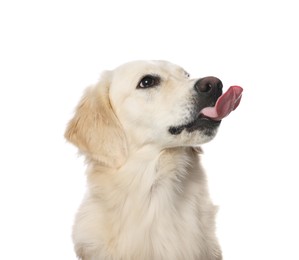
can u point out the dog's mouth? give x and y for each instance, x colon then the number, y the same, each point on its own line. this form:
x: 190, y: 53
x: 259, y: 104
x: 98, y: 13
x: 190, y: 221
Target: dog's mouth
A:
x: 210, y: 117
x: 202, y: 122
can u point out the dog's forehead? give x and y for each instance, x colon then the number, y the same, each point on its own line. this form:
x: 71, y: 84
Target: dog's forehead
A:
x: 136, y: 69
x: 125, y: 78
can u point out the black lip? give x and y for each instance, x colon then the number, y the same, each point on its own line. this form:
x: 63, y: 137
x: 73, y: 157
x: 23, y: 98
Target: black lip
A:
x: 202, y: 123
x: 205, y: 124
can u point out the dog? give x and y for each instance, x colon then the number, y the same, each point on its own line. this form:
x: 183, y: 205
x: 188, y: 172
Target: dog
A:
x: 140, y: 129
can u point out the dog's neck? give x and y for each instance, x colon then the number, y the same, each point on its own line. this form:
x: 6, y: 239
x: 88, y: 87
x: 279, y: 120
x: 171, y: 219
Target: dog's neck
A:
x: 144, y: 175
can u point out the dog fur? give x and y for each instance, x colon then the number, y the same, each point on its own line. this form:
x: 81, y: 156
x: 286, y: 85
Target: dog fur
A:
x: 147, y: 196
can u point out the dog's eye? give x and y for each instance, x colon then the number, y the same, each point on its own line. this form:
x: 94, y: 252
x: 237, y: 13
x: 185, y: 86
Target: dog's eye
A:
x: 149, y: 81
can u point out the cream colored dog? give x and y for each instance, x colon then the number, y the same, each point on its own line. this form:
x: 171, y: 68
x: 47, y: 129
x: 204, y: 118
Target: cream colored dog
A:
x: 140, y: 128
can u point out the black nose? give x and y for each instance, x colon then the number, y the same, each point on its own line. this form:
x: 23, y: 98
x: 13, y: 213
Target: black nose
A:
x: 208, y: 85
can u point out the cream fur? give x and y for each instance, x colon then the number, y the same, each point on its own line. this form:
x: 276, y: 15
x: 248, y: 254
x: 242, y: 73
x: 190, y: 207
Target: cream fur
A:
x: 147, y: 196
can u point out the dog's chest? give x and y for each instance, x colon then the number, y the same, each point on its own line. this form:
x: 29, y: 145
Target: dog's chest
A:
x: 161, y: 221
x: 162, y: 229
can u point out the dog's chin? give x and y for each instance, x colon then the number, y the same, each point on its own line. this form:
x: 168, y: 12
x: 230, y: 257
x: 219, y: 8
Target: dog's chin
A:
x: 206, y: 126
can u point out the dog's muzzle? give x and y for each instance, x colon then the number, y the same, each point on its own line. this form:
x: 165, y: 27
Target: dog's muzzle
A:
x: 211, y: 107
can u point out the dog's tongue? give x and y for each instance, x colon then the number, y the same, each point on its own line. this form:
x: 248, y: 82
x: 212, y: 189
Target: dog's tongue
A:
x: 225, y: 104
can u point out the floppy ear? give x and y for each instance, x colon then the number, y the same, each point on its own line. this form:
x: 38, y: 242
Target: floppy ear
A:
x: 95, y: 129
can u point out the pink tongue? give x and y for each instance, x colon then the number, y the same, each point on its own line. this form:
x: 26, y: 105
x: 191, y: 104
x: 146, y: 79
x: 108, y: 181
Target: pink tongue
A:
x: 225, y: 104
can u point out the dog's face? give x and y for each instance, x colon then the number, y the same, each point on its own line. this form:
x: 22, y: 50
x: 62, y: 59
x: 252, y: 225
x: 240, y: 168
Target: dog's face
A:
x: 144, y: 103
x: 157, y: 102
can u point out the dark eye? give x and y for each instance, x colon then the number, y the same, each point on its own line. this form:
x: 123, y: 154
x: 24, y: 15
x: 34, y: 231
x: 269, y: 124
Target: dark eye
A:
x: 149, y: 81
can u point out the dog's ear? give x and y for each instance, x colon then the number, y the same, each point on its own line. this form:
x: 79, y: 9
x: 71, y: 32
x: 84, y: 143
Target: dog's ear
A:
x: 95, y: 129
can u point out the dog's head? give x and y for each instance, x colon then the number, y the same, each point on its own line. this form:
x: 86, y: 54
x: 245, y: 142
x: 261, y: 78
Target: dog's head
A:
x: 143, y: 103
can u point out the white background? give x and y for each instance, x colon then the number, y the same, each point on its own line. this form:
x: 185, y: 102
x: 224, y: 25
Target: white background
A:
x: 51, y: 50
